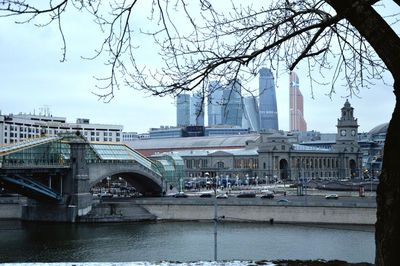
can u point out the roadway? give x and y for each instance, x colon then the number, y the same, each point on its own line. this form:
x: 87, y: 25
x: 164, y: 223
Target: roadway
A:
x: 292, y: 200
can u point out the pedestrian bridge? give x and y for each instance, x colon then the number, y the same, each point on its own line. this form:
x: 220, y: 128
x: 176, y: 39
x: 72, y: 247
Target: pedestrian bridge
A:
x: 52, y: 168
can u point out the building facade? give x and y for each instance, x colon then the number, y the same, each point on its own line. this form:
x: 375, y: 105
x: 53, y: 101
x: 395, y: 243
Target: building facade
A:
x: 214, y: 111
x: 267, y: 97
x: 251, y: 114
x: 273, y: 155
x: 197, y: 110
x: 296, y: 105
x: 15, y: 128
x: 232, y: 107
x: 183, y: 110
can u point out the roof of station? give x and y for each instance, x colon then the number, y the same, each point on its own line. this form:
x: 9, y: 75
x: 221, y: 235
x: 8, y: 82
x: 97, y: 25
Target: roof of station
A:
x: 29, y: 143
x: 193, y: 142
x: 220, y: 152
x: 382, y: 128
x: 117, y: 151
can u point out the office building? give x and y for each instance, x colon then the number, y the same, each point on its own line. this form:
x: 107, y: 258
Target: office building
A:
x: 267, y: 98
x: 15, y: 128
x: 197, y: 109
x: 232, y: 107
x: 183, y: 110
x: 296, y: 112
x: 251, y: 114
x: 215, y: 103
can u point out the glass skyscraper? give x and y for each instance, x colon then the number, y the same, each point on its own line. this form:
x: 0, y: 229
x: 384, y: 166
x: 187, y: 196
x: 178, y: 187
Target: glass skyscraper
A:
x: 267, y: 96
x: 232, y: 107
x: 183, y: 110
x: 215, y: 103
x: 197, y: 110
x: 251, y: 116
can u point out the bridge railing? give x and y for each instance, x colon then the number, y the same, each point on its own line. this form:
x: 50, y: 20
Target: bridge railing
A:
x: 33, y: 163
x: 117, y: 153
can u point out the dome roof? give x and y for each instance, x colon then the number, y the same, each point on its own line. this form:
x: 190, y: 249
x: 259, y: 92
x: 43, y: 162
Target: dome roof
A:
x: 382, y: 128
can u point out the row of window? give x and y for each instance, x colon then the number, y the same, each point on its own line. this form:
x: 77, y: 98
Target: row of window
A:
x: 36, y: 130
x: 315, y: 163
x: 246, y: 163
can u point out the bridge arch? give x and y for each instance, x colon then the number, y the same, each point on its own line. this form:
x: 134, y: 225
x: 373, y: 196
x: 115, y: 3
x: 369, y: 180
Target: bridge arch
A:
x: 145, y: 182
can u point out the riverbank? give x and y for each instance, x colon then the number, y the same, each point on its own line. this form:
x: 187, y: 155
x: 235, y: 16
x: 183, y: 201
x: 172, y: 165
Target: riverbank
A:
x: 305, y: 210
x: 206, y: 263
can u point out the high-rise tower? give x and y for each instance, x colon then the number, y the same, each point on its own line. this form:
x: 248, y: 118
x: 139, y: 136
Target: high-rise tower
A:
x: 251, y: 116
x: 215, y: 103
x: 183, y: 110
x: 296, y: 113
x: 197, y: 110
x: 232, y: 108
x: 267, y: 95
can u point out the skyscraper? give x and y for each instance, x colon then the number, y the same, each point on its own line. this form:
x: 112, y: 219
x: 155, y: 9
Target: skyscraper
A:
x: 232, y: 108
x: 215, y: 103
x: 251, y: 114
x: 197, y: 110
x: 183, y: 110
x: 296, y: 113
x: 267, y: 96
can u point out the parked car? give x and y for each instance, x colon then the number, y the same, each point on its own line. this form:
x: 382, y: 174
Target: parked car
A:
x: 332, y: 196
x: 246, y: 195
x: 205, y: 195
x: 180, y: 195
x: 222, y: 196
x: 267, y: 194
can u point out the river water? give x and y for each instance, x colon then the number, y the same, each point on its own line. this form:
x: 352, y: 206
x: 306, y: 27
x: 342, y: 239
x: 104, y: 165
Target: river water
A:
x: 181, y: 241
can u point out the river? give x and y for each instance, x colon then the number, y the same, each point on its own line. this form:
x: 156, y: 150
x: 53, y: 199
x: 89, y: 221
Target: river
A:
x: 181, y: 241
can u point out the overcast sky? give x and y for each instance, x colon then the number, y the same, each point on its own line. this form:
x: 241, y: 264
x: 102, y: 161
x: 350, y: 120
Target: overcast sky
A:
x: 32, y: 77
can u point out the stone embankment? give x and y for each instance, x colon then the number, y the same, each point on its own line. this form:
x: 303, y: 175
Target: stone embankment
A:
x: 232, y: 209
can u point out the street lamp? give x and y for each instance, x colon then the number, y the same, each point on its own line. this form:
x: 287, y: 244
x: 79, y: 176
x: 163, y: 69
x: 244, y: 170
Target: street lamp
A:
x: 108, y: 183
x: 215, y: 180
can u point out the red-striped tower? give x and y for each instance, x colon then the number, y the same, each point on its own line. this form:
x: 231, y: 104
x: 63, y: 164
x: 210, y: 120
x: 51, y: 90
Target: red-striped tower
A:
x: 296, y: 113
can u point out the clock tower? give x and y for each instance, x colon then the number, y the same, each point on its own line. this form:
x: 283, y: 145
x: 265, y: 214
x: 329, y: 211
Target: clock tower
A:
x: 346, y: 138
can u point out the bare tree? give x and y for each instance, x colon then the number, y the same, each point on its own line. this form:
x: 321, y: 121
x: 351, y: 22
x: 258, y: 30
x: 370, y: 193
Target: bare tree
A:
x: 202, y: 41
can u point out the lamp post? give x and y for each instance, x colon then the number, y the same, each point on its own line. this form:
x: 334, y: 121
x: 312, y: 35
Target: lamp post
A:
x: 215, y: 180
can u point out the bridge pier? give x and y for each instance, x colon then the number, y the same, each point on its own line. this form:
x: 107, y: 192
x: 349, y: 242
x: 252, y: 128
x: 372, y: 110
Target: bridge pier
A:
x: 76, y: 197
x: 35, y: 211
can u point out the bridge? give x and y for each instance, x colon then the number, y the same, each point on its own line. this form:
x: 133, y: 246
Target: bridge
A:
x: 56, y: 173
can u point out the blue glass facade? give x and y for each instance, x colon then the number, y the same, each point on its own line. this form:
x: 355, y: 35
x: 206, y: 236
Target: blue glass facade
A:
x: 214, y: 103
x: 267, y: 96
x: 251, y: 116
x: 183, y: 110
x: 197, y: 110
x: 232, y: 109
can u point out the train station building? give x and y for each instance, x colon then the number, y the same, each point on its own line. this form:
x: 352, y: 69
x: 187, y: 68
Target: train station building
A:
x: 267, y: 156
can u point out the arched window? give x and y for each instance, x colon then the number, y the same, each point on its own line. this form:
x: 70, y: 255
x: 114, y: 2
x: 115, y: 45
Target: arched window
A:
x: 220, y: 165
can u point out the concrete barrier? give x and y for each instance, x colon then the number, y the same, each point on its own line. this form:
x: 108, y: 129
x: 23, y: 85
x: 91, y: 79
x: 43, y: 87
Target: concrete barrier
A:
x: 253, y: 210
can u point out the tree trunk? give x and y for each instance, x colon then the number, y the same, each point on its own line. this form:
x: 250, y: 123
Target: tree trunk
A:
x: 386, y: 44
x: 387, y: 228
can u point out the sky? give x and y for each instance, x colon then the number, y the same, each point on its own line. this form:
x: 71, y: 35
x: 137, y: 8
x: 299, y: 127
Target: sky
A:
x: 32, y: 77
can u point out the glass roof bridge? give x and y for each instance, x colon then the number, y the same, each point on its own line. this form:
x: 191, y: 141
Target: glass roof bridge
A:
x: 55, y: 169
